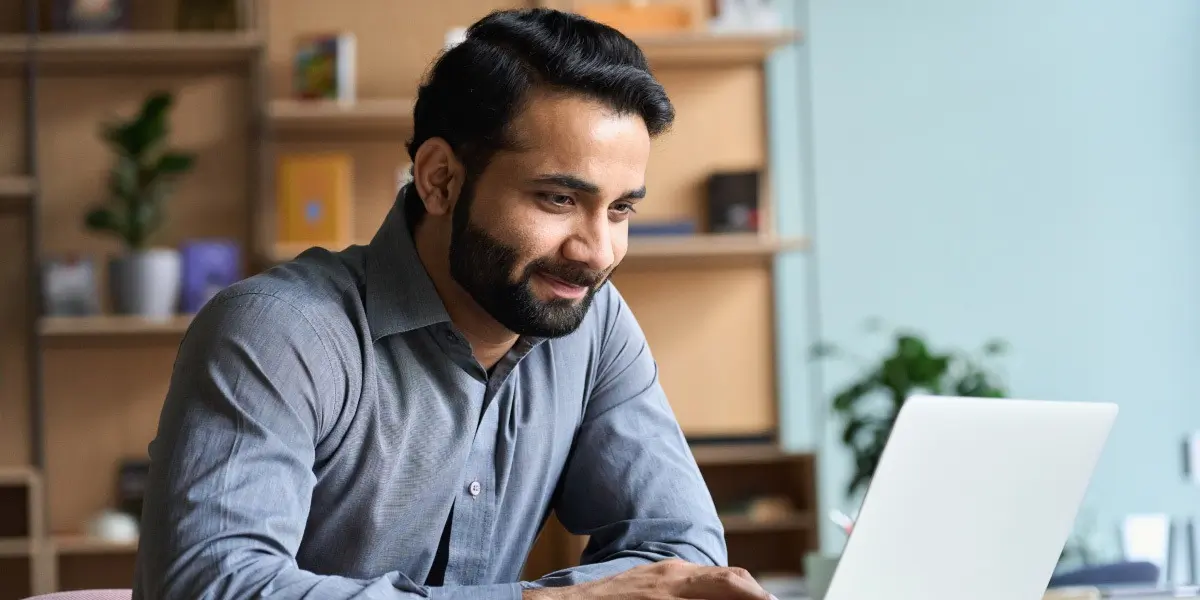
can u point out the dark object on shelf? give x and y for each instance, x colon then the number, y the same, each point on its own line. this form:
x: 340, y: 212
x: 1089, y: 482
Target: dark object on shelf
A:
x: 733, y: 202
x: 131, y: 486
x: 681, y: 227
x: 207, y: 15
x: 91, y: 16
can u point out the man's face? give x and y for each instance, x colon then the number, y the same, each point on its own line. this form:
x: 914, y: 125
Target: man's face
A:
x: 541, y: 229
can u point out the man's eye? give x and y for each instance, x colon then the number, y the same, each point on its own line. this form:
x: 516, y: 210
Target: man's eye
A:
x: 558, y: 199
x: 624, y: 208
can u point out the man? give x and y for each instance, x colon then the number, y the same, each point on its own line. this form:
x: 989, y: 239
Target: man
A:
x: 396, y: 420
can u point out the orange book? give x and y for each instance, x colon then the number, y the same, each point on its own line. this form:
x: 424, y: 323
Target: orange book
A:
x: 314, y: 199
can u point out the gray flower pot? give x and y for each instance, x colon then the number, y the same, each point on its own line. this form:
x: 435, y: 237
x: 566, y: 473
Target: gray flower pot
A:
x: 145, y: 283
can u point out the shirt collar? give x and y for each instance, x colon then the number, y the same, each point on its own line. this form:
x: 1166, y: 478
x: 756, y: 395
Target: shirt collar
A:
x: 400, y: 295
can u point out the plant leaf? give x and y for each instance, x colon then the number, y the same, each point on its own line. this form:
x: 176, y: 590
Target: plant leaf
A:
x: 846, y: 400
x: 104, y: 219
x: 174, y: 163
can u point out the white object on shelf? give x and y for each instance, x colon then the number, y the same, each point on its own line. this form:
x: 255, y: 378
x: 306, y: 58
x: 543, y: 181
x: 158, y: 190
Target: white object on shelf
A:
x: 455, y: 36
x: 740, y: 16
x: 113, y: 526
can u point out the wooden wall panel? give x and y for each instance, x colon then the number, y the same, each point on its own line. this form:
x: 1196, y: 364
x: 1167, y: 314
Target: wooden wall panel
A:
x: 103, y: 400
x: 711, y: 331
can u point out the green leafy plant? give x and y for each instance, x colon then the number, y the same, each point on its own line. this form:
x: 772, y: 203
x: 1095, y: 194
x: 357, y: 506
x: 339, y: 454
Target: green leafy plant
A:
x: 870, y: 403
x: 142, y: 174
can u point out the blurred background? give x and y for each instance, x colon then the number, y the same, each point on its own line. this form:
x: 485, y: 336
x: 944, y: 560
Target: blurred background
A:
x: 860, y: 199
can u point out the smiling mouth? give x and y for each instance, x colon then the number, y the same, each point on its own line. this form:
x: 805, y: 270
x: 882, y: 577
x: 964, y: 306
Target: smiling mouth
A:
x: 562, y: 288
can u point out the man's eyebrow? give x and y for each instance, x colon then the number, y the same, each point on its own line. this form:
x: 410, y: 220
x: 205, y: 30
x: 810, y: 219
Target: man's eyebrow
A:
x: 570, y: 182
x: 574, y: 183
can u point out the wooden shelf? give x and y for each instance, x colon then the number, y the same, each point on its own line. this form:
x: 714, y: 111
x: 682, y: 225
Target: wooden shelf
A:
x: 661, y: 248
x: 15, y: 547
x: 735, y: 524
x: 16, y: 194
x: 84, y: 544
x: 713, y: 245
x: 720, y: 455
x: 18, y: 476
x: 110, y: 325
x: 370, y: 116
x: 132, y: 49
x: 711, y: 49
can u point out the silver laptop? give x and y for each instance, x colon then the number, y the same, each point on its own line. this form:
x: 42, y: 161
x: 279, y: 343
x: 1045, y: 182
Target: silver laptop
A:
x: 972, y: 499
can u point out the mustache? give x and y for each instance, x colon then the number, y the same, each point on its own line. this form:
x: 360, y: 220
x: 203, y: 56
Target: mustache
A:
x: 570, y: 273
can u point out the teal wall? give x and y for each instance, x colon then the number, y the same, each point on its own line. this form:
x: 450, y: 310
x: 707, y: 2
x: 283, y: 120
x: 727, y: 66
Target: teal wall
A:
x: 1020, y: 168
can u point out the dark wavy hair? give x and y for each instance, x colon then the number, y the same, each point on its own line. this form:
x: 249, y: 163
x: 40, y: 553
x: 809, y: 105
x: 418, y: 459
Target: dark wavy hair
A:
x: 475, y: 89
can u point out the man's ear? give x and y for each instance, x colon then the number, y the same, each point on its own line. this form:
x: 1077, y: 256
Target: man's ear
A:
x: 438, y: 175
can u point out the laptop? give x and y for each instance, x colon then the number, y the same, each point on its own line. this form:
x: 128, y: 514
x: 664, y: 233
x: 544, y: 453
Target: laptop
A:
x: 972, y: 498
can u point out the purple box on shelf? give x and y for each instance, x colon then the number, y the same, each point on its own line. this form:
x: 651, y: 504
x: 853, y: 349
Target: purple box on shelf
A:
x: 208, y: 267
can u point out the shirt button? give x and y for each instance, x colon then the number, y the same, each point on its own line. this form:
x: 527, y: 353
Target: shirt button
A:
x: 474, y: 488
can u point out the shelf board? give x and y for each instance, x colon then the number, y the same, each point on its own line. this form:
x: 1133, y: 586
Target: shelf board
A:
x: 714, y: 245
x: 659, y: 248
x: 15, y: 547
x: 18, y: 476
x: 16, y: 194
x: 371, y: 115
x: 720, y: 455
x: 745, y: 524
x: 133, y: 49
x: 713, y: 48
x: 85, y: 544
x: 110, y: 325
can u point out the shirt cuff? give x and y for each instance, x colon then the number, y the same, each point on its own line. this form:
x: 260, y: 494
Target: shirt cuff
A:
x: 497, y: 591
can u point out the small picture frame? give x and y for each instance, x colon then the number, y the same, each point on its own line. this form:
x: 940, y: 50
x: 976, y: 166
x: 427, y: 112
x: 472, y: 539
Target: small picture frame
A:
x: 70, y: 286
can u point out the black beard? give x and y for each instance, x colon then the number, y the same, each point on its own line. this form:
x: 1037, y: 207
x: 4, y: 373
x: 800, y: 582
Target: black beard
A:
x: 482, y: 266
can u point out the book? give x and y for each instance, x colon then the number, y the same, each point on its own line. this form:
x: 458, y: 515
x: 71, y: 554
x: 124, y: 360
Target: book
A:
x: 314, y: 199
x: 324, y: 67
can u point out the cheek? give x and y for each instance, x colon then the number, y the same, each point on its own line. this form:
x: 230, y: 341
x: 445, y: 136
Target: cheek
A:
x: 620, y: 244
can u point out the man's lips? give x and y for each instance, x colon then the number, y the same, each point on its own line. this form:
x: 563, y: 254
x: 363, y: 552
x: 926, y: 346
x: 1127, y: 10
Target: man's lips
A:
x: 563, y: 288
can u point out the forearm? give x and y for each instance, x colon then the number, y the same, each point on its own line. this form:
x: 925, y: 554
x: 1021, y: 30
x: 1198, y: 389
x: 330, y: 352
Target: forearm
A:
x: 246, y: 576
x: 623, y: 554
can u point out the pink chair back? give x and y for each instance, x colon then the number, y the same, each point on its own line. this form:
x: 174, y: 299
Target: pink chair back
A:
x: 87, y: 595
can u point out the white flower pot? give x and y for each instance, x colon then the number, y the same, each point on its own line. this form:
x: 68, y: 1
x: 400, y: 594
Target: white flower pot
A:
x: 145, y: 283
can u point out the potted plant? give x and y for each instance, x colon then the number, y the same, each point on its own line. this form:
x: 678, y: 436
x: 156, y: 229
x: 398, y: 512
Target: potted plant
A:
x: 869, y: 404
x: 144, y: 279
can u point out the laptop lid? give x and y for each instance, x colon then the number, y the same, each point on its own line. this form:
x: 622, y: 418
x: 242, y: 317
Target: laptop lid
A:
x: 972, y: 498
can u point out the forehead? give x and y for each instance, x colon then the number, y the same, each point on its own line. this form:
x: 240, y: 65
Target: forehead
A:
x: 567, y: 133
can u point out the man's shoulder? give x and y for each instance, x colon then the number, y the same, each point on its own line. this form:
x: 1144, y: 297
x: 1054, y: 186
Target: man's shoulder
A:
x: 320, y: 289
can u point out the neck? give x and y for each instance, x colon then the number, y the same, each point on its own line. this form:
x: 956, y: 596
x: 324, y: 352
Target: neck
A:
x: 489, y: 340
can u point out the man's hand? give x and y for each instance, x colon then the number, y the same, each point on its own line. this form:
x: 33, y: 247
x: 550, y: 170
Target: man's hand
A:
x: 665, y: 580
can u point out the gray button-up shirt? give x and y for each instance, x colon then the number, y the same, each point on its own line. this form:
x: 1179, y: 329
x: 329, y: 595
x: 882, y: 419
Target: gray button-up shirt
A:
x: 326, y: 424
